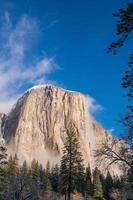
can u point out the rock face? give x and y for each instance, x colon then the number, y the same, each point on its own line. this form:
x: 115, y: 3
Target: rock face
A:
x: 35, y: 127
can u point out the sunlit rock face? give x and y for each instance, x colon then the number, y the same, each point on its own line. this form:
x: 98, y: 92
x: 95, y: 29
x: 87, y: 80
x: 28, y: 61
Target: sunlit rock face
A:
x: 35, y: 127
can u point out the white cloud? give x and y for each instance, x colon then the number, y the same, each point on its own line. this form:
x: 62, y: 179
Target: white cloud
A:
x: 111, y: 130
x: 7, y: 104
x: 92, y: 105
x: 16, y: 41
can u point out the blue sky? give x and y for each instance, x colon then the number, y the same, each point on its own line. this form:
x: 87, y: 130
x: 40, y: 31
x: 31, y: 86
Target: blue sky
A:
x: 64, y: 42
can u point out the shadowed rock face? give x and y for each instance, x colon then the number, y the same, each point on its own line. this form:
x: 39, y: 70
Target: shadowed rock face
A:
x: 35, y: 127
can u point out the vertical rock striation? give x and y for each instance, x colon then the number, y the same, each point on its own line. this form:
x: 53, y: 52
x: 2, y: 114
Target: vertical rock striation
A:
x: 35, y: 127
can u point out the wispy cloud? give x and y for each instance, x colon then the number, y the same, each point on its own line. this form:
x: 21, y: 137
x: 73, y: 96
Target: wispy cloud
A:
x: 16, y: 42
x: 17, y: 68
x: 52, y: 23
x: 93, y: 106
x: 111, y: 130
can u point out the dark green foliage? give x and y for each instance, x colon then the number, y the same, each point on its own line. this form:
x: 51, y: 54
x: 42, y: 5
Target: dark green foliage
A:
x: 24, y: 180
x: 43, y: 179
x: 98, y: 190
x: 33, y: 182
x: 127, y: 120
x: 127, y: 83
x: 108, y: 184
x: 103, y: 182
x: 21, y: 185
x: 124, y: 30
x: 80, y: 180
x: 55, y: 178
x: 3, y: 162
x: 35, y: 179
x: 72, y: 169
x: 49, y: 186
x: 11, y: 178
x: 12, y: 166
x: 48, y: 177
x: 117, y: 182
x: 124, y: 26
x: 88, y: 186
x: 48, y: 168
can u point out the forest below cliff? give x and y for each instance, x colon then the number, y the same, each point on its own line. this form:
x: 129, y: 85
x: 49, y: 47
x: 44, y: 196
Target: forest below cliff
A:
x: 68, y: 180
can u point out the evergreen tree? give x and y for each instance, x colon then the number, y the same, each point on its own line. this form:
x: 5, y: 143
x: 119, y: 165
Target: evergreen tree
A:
x: 22, y: 182
x: 88, y: 183
x: 5, y: 195
x: 17, y: 185
x: 35, y: 180
x: 108, y: 184
x: 49, y: 186
x: 3, y: 162
x: 20, y: 186
x: 80, y: 182
x: 48, y: 168
x: 71, y: 171
x: 118, y: 181
x: 98, y: 191
x: 124, y: 31
x: 103, y: 182
x: 55, y: 178
x: 12, y: 168
x: 24, y: 169
x: 48, y: 177
x: 43, y: 179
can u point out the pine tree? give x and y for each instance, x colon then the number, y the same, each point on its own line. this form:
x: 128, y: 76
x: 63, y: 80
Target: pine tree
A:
x: 49, y: 186
x: 55, y: 178
x: 12, y: 168
x: 48, y: 177
x: 23, y: 182
x: 88, y: 183
x: 103, y: 182
x: 80, y: 182
x: 35, y: 180
x: 24, y: 169
x: 108, y: 184
x: 124, y: 30
x: 98, y: 191
x: 43, y: 179
x: 48, y: 168
x: 72, y: 168
x: 17, y: 182
x: 10, y: 178
x: 3, y: 162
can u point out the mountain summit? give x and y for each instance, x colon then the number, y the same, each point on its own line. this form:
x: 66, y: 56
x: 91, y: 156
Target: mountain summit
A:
x: 35, y: 127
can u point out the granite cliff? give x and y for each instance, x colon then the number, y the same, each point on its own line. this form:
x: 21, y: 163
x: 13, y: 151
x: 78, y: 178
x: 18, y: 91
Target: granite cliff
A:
x: 35, y: 127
